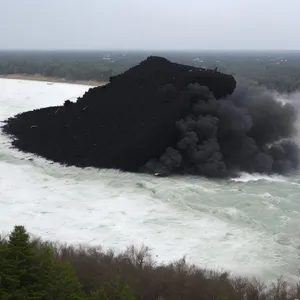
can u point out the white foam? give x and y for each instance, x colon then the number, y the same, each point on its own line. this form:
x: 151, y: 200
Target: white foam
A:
x: 246, y: 177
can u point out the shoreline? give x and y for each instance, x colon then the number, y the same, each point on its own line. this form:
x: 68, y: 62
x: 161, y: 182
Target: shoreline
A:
x: 52, y: 79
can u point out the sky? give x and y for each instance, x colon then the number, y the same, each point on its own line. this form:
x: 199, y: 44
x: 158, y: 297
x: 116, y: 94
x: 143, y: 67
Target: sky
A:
x: 150, y: 25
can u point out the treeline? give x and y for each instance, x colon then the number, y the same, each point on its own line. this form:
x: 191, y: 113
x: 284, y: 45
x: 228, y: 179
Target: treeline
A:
x: 96, y: 66
x: 283, y: 76
x: 32, y: 269
x: 57, y: 69
x: 275, y: 70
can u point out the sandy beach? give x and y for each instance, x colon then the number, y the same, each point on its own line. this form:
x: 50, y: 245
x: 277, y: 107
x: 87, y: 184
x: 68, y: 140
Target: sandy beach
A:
x: 52, y: 79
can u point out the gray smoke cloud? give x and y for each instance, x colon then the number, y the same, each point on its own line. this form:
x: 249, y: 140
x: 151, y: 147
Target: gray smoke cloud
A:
x: 249, y: 130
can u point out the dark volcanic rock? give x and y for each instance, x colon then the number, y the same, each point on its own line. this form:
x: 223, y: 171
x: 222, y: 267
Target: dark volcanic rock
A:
x: 121, y: 125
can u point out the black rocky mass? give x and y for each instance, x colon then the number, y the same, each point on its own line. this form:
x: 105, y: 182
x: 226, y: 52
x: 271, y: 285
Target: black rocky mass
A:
x: 168, y: 118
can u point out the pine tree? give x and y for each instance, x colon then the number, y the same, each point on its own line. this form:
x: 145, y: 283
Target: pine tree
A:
x: 19, y: 268
x: 3, y: 245
x: 63, y: 282
x: 32, y: 271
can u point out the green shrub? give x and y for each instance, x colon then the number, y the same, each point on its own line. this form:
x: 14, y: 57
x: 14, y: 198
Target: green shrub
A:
x: 115, y: 290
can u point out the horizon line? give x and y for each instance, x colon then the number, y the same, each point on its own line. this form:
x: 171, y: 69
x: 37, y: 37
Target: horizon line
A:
x: 150, y: 50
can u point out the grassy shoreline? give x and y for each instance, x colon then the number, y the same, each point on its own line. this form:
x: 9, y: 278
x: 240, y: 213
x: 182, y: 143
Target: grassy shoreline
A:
x: 51, y: 79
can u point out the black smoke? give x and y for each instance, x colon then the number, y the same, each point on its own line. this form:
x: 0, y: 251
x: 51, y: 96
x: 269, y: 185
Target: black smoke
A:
x: 247, y: 131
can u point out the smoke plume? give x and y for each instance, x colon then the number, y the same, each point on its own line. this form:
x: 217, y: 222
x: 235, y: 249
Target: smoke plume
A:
x: 250, y: 130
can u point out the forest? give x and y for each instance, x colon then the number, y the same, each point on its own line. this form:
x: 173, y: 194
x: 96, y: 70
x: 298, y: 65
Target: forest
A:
x: 276, y: 70
x: 33, y: 269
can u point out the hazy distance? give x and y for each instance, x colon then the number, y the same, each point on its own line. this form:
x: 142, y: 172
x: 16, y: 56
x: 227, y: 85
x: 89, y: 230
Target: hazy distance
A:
x: 150, y: 25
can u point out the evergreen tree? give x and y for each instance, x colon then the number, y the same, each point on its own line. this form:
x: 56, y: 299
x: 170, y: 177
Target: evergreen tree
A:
x: 32, y: 271
x: 63, y: 282
x: 19, y: 269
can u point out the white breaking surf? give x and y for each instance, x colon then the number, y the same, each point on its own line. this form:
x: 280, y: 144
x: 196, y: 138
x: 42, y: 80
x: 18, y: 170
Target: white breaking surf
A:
x: 247, y: 225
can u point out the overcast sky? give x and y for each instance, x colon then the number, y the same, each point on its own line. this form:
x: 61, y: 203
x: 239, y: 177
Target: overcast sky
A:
x: 150, y: 25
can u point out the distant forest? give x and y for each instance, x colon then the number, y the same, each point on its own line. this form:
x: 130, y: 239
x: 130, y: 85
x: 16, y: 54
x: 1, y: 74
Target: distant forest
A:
x: 276, y: 70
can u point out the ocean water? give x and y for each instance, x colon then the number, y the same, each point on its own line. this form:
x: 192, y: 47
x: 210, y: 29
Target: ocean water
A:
x: 248, y: 225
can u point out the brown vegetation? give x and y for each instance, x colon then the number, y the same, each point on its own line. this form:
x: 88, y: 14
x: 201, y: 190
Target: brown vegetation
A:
x: 52, y: 271
x: 176, y: 280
